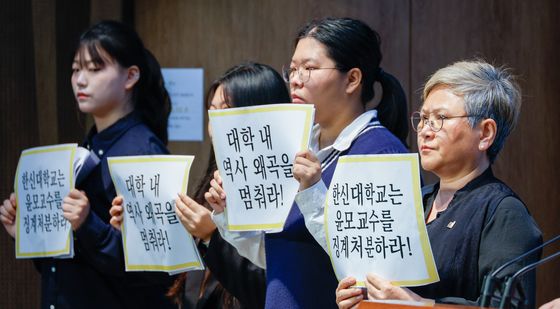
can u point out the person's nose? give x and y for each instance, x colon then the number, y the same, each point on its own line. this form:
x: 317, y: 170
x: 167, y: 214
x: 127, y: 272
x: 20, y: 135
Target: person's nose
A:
x: 81, y: 79
x: 426, y: 131
x: 296, y: 81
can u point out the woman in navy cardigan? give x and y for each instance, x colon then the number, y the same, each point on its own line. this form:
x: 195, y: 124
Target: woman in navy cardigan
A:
x: 334, y: 66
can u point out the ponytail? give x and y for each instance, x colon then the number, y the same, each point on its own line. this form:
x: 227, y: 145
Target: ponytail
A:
x: 151, y: 98
x: 392, y: 110
x: 353, y: 44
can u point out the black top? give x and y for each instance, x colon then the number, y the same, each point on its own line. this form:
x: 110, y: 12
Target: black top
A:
x: 484, y: 226
x: 95, y: 277
x: 241, y: 278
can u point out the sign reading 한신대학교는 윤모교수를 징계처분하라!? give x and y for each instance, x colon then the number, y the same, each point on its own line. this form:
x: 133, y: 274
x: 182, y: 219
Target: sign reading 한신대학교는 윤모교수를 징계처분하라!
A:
x: 374, y: 220
x: 45, y: 175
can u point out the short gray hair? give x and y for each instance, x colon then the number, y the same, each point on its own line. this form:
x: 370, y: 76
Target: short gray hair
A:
x: 488, y: 92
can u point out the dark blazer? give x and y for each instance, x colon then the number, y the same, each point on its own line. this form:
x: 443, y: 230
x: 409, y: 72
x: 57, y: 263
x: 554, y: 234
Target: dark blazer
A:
x: 241, y: 278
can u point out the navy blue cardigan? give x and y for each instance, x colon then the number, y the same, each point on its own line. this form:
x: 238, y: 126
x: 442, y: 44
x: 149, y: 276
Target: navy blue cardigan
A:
x: 299, y: 272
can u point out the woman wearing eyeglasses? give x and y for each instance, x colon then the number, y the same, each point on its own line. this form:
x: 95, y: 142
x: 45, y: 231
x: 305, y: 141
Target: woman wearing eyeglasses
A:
x: 475, y: 222
x: 334, y: 67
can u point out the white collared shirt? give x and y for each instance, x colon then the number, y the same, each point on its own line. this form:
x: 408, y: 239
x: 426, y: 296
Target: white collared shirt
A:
x: 344, y: 139
x: 311, y: 201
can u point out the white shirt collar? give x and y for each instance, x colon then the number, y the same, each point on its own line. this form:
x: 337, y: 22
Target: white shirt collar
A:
x: 345, y: 138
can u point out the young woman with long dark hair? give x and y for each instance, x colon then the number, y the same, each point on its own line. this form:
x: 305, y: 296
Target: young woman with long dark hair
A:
x: 118, y: 82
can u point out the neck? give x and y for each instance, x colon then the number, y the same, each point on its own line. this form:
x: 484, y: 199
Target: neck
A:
x: 104, y: 121
x: 330, y: 130
x: 459, y: 180
x: 450, y: 184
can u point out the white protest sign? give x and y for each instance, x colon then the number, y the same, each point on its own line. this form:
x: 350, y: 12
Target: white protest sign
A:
x: 255, y: 148
x: 185, y: 87
x: 153, y: 237
x: 45, y: 175
x: 374, y: 220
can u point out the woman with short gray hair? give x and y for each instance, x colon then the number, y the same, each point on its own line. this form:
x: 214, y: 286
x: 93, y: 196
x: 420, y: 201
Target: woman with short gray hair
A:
x: 475, y: 222
x: 488, y: 93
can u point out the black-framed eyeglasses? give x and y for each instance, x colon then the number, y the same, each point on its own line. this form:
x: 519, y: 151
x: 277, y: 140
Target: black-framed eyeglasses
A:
x: 304, y: 74
x: 435, y: 122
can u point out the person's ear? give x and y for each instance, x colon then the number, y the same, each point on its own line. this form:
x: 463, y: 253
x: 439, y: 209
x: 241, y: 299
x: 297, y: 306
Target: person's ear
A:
x: 488, y: 130
x: 133, y: 76
x: 354, y: 80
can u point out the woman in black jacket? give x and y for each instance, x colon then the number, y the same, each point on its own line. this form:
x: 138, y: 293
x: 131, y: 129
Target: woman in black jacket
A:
x: 230, y: 280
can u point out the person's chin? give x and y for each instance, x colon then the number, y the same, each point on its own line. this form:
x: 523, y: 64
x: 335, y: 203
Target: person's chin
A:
x: 86, y: 107
x: 427, y: 162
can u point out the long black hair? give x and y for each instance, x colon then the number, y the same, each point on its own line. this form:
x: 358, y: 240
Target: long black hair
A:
x: 249, y: 84
x: 351, y: 43
x: 149, y: 96
x: 246, y: 84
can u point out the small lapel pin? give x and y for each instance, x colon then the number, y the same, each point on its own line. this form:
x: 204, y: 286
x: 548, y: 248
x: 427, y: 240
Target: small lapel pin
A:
x: 451, y: 224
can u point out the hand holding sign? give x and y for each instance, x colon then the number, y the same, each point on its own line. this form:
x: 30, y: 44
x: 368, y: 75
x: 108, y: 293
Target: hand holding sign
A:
x: 379, y: 288
x: 216, y: 196
x: 8, y: 214
x: 75, y: 208
x: 347, y: 296
x: 116, y: 212
x: 194, y: 217
x: 307, y: 169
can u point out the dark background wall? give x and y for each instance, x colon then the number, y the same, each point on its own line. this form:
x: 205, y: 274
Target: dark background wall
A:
x: 37, y: 40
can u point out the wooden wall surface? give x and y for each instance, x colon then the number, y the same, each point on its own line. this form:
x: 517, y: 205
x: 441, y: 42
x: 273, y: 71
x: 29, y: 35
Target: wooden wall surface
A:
x: 37, y: 106
x: 19, y: 285
x: 524, y: 36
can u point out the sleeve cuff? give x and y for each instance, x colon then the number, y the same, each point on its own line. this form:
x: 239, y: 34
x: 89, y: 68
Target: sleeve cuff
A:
x: 312, y: 198
x: 219, y: 220
x: 92, y: 229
